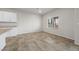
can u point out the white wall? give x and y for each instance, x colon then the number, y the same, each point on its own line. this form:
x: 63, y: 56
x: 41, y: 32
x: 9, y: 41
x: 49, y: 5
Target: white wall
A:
x: 28, y: 23
x: 65, y: 22
x: 76, y: 26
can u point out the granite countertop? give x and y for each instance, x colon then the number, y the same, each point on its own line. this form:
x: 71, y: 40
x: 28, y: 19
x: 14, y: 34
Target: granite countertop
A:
x: 2, y: 30
x: 5, y: 26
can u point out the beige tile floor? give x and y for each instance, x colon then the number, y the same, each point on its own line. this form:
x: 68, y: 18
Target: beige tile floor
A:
x: 39, y: 41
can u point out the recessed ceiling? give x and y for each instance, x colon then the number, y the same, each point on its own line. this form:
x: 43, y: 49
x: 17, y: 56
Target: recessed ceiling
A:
x: 40, y: 11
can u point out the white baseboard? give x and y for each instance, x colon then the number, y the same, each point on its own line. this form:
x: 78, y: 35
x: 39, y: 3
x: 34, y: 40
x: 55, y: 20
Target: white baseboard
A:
x: 76, y: 42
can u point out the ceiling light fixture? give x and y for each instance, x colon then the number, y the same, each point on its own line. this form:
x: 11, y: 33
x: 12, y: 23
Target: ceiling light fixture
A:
x: 39, y: 10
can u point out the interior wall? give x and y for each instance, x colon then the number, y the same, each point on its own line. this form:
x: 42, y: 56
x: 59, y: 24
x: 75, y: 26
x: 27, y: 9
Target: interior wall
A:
x: 28, y: 23
x: 65, y: 28
x: 76, y: 26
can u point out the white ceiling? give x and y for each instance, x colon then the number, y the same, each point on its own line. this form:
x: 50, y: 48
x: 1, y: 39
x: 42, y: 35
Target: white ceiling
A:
x: 35, y: 10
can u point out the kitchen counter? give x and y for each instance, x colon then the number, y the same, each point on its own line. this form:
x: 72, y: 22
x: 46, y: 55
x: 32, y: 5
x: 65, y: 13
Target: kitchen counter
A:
x: 6, y: 32
x: 2, y: 30
x: 5, y: 26
x: 8, y: 24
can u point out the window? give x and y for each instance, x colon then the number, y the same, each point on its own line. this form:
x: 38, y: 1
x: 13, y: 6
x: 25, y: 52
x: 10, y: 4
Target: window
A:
x: 53, y: 22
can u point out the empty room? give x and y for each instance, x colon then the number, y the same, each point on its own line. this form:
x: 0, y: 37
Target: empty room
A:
x: 39, y: 29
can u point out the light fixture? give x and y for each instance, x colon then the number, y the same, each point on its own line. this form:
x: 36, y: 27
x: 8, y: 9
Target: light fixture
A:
x: 39, y: 10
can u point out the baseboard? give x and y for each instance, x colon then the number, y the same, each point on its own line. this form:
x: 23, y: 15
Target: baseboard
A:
x: 28, y: 32
x: 76, y: 42
x: 59, y: 35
